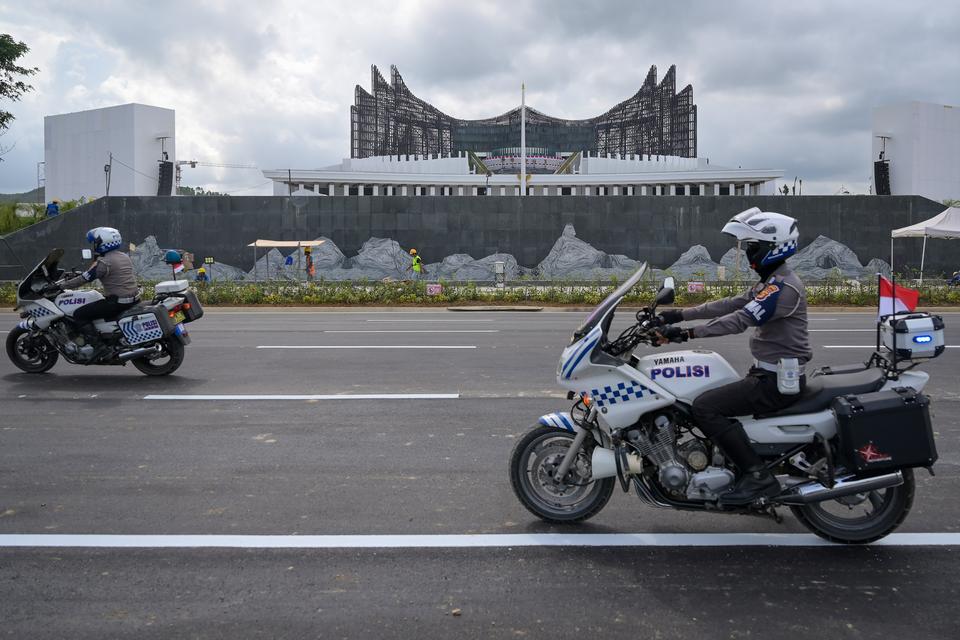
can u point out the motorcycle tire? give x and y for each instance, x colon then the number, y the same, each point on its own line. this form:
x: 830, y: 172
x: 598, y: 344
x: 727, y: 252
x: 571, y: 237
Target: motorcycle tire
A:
x: 889, y: 509
x: 172, y: 356
x: 30, y: 354
x: 535, y: 456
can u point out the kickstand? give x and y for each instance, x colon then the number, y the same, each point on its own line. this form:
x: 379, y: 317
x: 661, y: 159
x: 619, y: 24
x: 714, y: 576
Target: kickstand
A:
x: 772, y: 512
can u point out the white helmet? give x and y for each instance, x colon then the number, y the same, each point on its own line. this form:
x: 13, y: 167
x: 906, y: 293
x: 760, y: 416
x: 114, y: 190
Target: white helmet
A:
x: 770, y: 237
x: 104, y: 239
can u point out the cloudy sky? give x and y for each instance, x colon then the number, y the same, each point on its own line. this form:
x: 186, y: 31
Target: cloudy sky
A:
x: 778, y: 85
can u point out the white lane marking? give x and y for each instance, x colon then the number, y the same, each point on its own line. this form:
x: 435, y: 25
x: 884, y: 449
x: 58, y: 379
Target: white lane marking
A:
x: 428, y: 320
x: 315, y: 396
x: 843, y: 330
x: 458, y: 541
x: 869, y: 346
x: 411, y: 331
x: 360, y: 346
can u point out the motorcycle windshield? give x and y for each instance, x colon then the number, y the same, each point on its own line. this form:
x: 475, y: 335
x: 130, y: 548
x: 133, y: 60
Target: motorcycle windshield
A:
x: 611, y: 301
x: 44, y: 272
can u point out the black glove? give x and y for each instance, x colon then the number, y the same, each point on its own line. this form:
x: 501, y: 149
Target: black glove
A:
x: 676, y: 334
x: 671, y: 316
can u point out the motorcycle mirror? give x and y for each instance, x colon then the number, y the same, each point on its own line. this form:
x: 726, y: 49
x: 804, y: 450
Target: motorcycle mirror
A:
x: 86, y: 254
x: 665, y: 293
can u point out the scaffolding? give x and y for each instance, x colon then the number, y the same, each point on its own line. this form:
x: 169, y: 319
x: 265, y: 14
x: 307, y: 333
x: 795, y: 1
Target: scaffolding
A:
x: 392, y: 121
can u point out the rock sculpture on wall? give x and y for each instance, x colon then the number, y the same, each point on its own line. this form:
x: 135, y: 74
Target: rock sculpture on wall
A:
x: 695, y: 262
x: 571, y: 257
x: 823, y: 258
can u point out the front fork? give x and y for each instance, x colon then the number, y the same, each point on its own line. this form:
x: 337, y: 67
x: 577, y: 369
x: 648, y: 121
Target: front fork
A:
x: 571, y: 455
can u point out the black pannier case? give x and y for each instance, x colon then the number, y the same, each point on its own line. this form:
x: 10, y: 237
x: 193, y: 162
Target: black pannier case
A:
x: 885, y: 430
x: 195, y: 312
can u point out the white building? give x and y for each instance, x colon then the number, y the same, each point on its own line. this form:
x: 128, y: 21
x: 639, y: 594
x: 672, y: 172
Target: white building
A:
x: 78, y: 145
x: 922, y: 143
x: 633, y: 175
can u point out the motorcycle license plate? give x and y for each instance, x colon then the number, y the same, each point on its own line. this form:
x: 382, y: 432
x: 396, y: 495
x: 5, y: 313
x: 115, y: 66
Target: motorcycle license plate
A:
x: 178, y: 317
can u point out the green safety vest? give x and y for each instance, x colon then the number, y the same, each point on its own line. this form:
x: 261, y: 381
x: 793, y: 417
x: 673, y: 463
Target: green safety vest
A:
x: 417, y: 262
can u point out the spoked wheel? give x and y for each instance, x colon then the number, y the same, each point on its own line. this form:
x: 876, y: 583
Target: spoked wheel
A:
x: 860, y: 518
x: 32, y: 353
x: 166, y: 362
x: 533, y: 465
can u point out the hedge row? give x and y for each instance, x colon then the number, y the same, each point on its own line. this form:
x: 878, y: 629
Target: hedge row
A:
x: 414, y: 294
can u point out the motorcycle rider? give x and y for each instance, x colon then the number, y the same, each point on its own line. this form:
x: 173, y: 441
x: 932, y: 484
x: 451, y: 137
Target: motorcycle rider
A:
x: 777, y: 307
x: 114, y: 269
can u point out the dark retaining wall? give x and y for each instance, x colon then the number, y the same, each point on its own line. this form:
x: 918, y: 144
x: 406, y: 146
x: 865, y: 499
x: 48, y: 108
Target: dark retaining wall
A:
x: 656, y: 228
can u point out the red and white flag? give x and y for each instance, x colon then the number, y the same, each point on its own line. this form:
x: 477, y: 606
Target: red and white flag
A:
x: 178, y: 267
x: 896, y: 299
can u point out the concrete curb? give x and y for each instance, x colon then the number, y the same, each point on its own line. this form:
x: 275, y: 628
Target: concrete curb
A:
x: 482, y: 308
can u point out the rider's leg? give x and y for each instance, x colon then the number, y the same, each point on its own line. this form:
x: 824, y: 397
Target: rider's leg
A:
x: 756, y: 393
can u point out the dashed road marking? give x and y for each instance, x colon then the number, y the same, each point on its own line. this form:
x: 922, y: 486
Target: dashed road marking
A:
x: 371, y: 346
x: 354, y: 396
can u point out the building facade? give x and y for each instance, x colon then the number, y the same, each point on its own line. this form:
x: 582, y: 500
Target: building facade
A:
x: 78, y: 146
x: 391, y: 120
x: 920, y: 143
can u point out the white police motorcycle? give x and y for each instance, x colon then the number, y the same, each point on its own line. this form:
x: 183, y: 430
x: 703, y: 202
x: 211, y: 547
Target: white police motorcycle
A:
x: 151, y: 336
x: 631, y: 422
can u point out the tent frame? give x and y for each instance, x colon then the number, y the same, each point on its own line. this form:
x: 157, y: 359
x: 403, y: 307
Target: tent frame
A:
x: 281, y: 243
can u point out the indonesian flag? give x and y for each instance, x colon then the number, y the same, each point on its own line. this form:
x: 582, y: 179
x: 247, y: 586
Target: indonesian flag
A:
x: 896, y: 299
x: 178, y: 267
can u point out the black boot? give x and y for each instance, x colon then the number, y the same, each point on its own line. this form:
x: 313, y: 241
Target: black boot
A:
x: 755, y: 481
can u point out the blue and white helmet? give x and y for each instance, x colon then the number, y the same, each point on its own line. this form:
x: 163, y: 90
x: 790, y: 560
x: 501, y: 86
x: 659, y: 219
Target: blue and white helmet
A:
x: 769, y: 237
x: 104, y: 239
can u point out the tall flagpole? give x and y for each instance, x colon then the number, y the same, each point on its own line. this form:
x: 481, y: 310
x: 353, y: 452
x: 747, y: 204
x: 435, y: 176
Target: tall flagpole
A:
x: 523, y: 139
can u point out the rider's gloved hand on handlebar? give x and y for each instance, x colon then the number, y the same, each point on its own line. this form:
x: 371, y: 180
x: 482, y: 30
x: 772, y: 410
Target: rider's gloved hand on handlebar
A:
x: 673, y: 334
x: 670, y: 316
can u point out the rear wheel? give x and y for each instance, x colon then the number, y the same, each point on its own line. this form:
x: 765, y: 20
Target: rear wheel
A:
x: 534, y: 463
x: 860, y: 518
x: 165, y: 362
x: 32, y: 353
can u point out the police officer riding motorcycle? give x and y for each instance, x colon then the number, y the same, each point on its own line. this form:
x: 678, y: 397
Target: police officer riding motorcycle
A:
x: 777, y: 307
x: 114, y: 269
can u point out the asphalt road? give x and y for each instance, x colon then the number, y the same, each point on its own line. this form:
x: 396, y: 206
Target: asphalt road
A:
x: 87, y: 451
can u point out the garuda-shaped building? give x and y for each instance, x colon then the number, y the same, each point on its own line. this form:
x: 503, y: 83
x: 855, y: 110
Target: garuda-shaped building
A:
x: 391, y: 120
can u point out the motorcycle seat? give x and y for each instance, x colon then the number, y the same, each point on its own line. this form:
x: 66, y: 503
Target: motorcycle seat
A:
x: 823, y: 387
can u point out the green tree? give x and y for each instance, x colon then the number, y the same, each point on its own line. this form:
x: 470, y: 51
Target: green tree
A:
x: 12, y: 86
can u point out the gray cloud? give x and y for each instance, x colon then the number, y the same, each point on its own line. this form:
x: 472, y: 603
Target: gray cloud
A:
x: 777, y: 85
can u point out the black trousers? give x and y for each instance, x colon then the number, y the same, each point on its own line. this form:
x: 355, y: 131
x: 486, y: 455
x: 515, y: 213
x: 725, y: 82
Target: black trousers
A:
x: 756, y: 393
x: 106, y: 308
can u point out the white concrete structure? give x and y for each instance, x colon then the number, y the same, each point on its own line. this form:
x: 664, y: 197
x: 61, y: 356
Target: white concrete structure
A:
x: 78, y: 145
x: 923, y: 146
x: 633, y: 175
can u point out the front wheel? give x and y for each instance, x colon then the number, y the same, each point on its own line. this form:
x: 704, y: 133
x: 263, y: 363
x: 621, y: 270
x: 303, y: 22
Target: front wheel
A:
x: 32, y: 353
x: 165, y: 362
x: 860, y: 518
x: 533, y: 465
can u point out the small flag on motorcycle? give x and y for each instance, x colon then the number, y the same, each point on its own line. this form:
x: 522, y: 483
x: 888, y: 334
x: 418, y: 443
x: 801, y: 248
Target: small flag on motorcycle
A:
x: 896, y: 298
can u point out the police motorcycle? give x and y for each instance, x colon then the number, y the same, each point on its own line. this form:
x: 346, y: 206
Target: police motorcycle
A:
x: 151, y: 336
x: 843, y: 453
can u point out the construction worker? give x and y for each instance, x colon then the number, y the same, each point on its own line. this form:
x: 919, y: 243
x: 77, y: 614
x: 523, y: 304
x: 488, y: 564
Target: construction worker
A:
x: 202, y: 275
x: 416, y: 265
x: 308, y: 256
x: 53, y: 208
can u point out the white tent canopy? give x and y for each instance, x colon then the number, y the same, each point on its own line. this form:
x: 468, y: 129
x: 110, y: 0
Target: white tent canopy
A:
x: 943, y: 225
x: 286, y: 243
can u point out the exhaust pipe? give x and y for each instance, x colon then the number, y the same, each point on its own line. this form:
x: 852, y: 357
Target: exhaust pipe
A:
x: 604, y: 464
x: 138, y: 353
x: 812, y: 492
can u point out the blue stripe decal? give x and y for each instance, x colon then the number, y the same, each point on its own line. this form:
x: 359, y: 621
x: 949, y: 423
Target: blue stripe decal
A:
x: 566, y: 422
x: 580, y: 357
x: 567, y: 363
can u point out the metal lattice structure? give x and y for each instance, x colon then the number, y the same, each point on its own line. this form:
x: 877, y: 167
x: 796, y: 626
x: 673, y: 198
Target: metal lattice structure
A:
x: 392, y: 121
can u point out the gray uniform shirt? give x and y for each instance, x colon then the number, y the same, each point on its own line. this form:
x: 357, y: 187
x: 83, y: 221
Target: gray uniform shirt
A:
x: 114, y: 270
x: 777, y: 307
